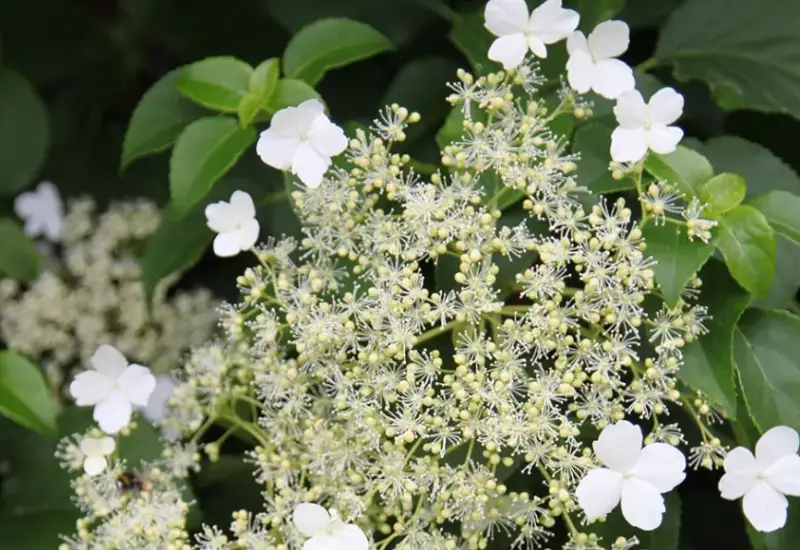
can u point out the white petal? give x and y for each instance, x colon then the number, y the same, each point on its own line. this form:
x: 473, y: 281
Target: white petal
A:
x: 310, y: 519
x: 631, y: 110
x: 765, y: 508
x: 90, y: 388
x: 52, y: 227
x: 109, y: 360
x: 91, y: 446
x: 294, y: 121
x: 49, y: 196
x: 628, y: 145
x: 309, y: 165
x: 784, y: 475
x: 327, y: 138
x: 321, y: 542
x: 599, y: 492
x: 351, y: 537
x: 664, y: 139
x: 107, y: 446
x: 662, y: 466
x: 34, y: 225
x: 247, y: 234
x: 734, y: 485
x: 243, y: 205
x: 137, y: 383
x: 776, y: 443
x: 93, y: 465
x: 609, y: 39
x: 220, y: 217
x: 551, y: 23
x: 226, y: 245
x: 619, y: 446
x: 156, y: 407
x: 537, y: 46
x: 740, y: 460
x: 114, y: 413
x: 580, y: 71
x: 665, y: 106
x: 577, y: 41
x: 506, y: 16
x: 509, y: 50
x: 27, y: 204
x: 613, y: 78
x: 277, y: 150
x: 642, y: 505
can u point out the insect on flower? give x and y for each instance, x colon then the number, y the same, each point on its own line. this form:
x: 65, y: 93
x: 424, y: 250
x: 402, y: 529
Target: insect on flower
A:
x: 133, y: 482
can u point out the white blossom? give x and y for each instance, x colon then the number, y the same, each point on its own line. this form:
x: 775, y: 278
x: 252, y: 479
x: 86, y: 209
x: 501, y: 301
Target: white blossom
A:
x: 302, y: 139
x: 633, y: 475
x: 42, y: 211
x: 644, y: 126
x: 156, y: 407
x: 519, y: 32
x: 326, y: 530
x: 763, y: 480
x: 235, y: 223
x: 592, y: 62
x: 112, y: 387
x: 95, y: 451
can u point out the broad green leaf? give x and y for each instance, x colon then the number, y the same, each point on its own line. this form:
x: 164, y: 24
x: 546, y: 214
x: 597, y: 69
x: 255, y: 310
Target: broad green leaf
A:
x: 686, y: 169
x: 19, y: 258
x: 264, y: 80
x: 677, y: 258
x: 723, y: 192
x: 158, y: 119
x: 24, y: 132
x: 596, y: 11
x: 452, y: 128
x: 36, y: 531
x: 782, y: 210
x: 647, y: 14
x: 204, y: 152
x: 473, y: 40
x: 708, y: 361
x: 249, y: 107
x: 218, y: 83
x: 767, y: 354
x: 748, y: 244
x: 593, y: 143
x: 747, y: 52
x: 330, y: 43
x: 25, y: 397
x: 290, y: 92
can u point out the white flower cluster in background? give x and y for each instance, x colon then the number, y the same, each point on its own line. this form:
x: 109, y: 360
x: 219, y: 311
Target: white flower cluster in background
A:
x: 91, y: 293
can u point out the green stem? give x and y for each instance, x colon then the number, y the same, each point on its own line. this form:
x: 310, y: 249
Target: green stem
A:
x: 648, y: 64
x: 422, y: 167
x: 433, y: 333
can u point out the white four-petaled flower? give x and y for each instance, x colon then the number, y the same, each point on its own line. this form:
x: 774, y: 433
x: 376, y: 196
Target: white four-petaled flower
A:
x: 156, y: 408
x: 112, y: 387
x: 633, y: 475
x: 644, y: 126
x: 235, y: 223
x: 95, y: 451
x: 519, y: 32
x: 592, y: 64
x: 764, y: 479
x: 42, y: 211
x: 302, y: 139
x: 326, y: 530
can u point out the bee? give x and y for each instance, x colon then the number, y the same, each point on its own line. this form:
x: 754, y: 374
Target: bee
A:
x: 133, y: 482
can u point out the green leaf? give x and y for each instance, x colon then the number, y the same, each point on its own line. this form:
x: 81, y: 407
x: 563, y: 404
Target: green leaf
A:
x: 665, y: 537
x: 596, y: 11
x: 204, y: 152
x: 723, y: 192
x: 686, y: 169
x: 747, y: 52
x: 708, y: 361
x: 452, y: 128
x: 264, y: 80
x: 19, y: 258
x: 747, y: 242
x: 218, y: 83
x: 473, y: 40
x: 249, y: 107
x: 593, y: 143
x: 330, y: 43
x: 25, y: 397
x: 290, y: 92
x: 677, y: 258
x: 19, y: 532
x: 510, y: 266
x: 24, y: 132
x: 158, y: 120
x: 782, y: 211
x: 767, y: 354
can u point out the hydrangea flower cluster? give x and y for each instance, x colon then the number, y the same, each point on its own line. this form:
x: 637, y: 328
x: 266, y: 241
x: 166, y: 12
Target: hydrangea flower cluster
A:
x: 90, y: 293
x: 456, y: 358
